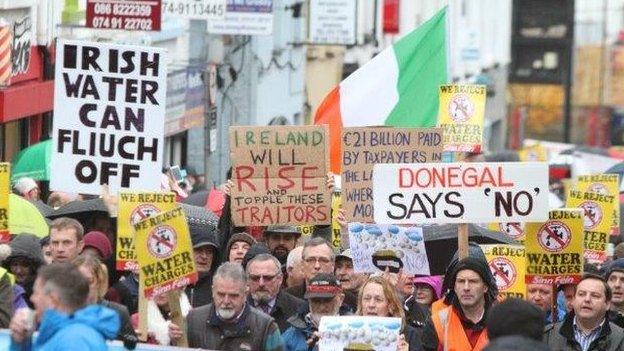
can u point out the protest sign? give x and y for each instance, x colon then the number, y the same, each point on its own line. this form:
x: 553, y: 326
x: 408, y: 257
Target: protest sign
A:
x: 534, y: 153
x: 605, y: 184
x: 508, y: 268
x: 5, y: 190
x: 279, y: 175
x: 244, y: 17
x: 554, y: 250
x: 512, y: 230
x: 462, y: 114
x: 133, y: 208
x: 597, y: 210
x: 109, y: 108
x: 362, y: 148
x: 460, y: 192
x: 165, y: 253
x: 378, y: 333
x: 141, y: 15
x: 376, y: 246
x: 335, y: 207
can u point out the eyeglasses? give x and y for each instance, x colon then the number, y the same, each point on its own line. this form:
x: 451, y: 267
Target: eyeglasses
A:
x: 319, y: 260
x: 266, y: 278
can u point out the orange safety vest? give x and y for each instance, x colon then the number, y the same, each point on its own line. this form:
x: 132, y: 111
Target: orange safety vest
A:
x: 451, y: 335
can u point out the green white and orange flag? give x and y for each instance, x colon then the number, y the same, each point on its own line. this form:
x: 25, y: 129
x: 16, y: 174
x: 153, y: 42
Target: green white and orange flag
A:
x: 398, y: 87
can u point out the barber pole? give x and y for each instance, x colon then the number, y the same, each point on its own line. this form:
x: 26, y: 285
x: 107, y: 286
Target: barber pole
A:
x: 5, y: 53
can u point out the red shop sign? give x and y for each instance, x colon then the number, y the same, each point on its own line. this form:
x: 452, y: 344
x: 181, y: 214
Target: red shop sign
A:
x: 141, y: 15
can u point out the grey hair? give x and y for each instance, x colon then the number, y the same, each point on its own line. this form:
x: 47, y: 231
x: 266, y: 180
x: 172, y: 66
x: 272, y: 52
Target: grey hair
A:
x: 294, y: 257
x: 318, y: 241
x: 263, y: 258
x: 65, y: 281
x: 232, y: 271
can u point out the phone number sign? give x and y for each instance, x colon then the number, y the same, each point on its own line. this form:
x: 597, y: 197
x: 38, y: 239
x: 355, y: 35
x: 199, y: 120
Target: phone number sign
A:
x: 141, y: 15
x: 195, y: 9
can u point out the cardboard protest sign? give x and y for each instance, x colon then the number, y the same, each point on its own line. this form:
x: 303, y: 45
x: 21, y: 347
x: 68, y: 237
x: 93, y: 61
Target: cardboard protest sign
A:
x: 508, y: 268
x: 379, y: 333
x: 165, y: 253
x: 362, y: 148
x: 462, y: 114
x: 5, y: 190
x: 605, y: 184
x: 554, y: 250
x: 534, y: 153
x: 133, y: 208
x: 109, y: 108
x: 460, y: 192
x: 279, y: 175
x: 512, y: 230
x: 375, y: 247
x: 597, y: 210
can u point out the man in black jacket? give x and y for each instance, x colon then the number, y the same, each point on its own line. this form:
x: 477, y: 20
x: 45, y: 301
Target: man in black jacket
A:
x: 587, y: 328
x: 265, y: 279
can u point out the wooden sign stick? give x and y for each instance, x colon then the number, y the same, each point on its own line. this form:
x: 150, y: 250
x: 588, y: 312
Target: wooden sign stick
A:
x: 142, y: 313
x: 462, y: 240
x: 176, y: 316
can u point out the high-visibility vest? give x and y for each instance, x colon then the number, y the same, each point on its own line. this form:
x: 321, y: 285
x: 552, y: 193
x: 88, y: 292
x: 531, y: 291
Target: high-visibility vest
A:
x: 3, y: 271
x: 451, y: 334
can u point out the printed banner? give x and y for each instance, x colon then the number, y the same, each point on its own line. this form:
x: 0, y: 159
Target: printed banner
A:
x: 376, y: 247
x: 462, y: 114
x: 133, y: 208
x: 245, y: 17
x: 109, y: 108
x: 335, y: 207
x: 362, y: 148
x: 508, y: 268
x: 512, y: 230
x: 165, y: 253
x: 554, y: 250
x: 142, y: 15
x: 597, y: 210
x: 605, y: 184
x: 279, y: 175
x: 460, y: 192
x: 5, y: 190
x: 345, y: 332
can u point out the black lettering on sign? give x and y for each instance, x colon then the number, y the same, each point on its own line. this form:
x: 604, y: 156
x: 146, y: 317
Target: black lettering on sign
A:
x: 20, y: 53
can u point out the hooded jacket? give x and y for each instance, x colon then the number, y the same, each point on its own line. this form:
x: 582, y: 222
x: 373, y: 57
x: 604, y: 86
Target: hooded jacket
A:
x: 26, y: 246
x: 86, y: 329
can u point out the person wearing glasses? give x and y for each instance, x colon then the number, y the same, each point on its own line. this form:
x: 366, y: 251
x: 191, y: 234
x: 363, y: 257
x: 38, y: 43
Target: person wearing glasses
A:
x: 265, y: 279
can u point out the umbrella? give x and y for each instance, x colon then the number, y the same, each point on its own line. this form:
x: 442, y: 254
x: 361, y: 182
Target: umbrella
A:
x: 79, y: 209
x: 24, y: 217
x: 212, y: 199
x: 617, y: 169
x: 43, y: 208
x: 199, y: 213
x: 33, y: 162
x: 441, y: 243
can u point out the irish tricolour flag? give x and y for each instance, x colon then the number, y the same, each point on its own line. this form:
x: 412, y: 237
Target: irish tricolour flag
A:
x: 399, y: 87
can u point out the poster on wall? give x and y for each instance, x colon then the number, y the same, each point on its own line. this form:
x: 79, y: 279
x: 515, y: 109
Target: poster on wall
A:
x: 332, y: 22
x: 245, y: 17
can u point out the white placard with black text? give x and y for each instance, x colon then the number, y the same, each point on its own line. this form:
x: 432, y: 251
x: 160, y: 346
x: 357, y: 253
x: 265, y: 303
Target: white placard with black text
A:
x: 332, y: 22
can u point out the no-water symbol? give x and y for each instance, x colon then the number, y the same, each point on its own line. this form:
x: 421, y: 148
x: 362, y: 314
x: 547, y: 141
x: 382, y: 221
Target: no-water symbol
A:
x: 461, y: 108
x: 592, y: 214
x: 504, y: 272
x: 598, y: 188
x: 161, y: 241
x: 513, y: 230
x: 141, y: 212
x: 554, y: 236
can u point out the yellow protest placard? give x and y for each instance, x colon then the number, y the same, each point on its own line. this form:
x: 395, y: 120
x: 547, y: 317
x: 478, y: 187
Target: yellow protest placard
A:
x: 462, y: 111
x: 554, y: 250
x: 507, y: 266
x: 5, y: 190
x: 533, y: 153
x: 336, y: 204
x: 597, y: 210
x: 606, y: 184
x: 164, y: 253
x: 133, y: 208
x: 512, y: 230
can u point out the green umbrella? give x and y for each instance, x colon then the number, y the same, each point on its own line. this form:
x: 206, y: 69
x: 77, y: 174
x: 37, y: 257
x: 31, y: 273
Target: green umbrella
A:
x: 24, y: 217
x: 33, y: 162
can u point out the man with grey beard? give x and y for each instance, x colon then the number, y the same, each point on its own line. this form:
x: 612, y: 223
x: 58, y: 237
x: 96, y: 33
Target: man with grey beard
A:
x: 229, y: 323
x: 265, y: 279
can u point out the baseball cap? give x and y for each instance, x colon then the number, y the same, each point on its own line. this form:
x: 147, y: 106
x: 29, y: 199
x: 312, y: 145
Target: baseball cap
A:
x: 283, y: 228
x: 323, y: 286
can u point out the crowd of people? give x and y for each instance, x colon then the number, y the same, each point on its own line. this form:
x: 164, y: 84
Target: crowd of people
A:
x: 268, y: 288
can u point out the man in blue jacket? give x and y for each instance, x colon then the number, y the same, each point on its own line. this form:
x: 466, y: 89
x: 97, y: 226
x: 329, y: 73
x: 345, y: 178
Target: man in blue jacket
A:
x: 59, y: 295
